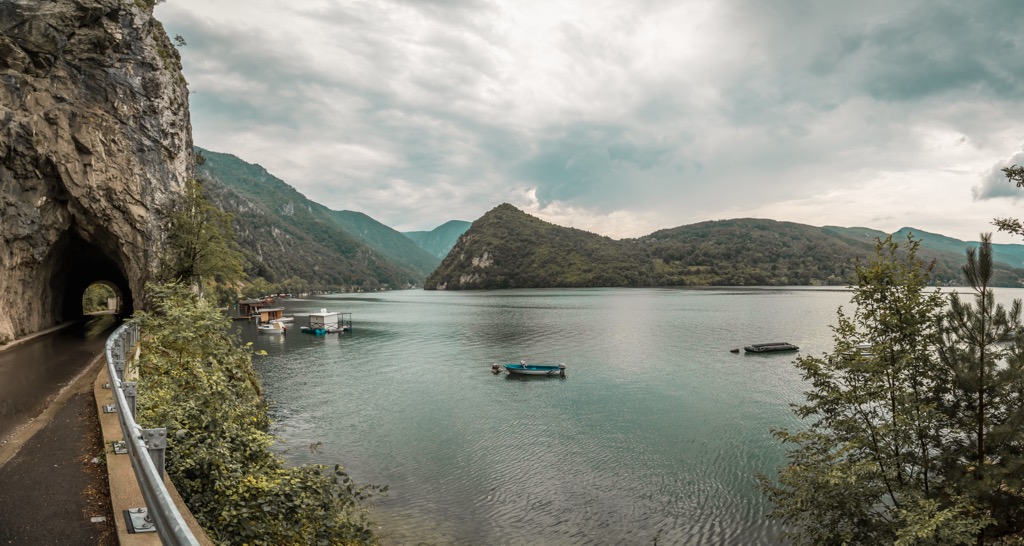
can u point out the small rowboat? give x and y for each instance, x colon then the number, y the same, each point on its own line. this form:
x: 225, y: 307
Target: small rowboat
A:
x: 535, y: 369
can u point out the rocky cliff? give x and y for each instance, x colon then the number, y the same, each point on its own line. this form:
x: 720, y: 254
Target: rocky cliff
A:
x: 95, y: 140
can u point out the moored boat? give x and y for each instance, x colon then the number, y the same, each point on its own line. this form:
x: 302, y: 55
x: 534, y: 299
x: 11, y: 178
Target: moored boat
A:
x: 522, y: 368
x: 319, y: 331
x: 272, y: 328
x: 328, y: 322
x: 773, y: 347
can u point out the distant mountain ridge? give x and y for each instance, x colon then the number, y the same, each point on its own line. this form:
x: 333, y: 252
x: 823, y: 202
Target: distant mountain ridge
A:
x: 1012, y: 254
x: 441, y: 239
x: 285, y: 235
x: 507, y: 248
x: 393, y: 244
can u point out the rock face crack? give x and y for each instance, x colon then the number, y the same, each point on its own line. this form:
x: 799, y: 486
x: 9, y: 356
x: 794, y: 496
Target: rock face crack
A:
x: 95, y: 143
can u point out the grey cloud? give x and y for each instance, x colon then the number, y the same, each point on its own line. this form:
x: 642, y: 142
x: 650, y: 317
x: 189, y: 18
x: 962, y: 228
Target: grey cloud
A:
x: 995, y: 184
x: 447, y: 5
x: 592, y: 165
x: 822, y: 55
x: 931, y: 48
x: 785, y: 102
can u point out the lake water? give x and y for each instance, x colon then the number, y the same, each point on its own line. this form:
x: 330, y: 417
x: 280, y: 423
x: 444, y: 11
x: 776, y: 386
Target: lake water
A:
x: 656, y: 435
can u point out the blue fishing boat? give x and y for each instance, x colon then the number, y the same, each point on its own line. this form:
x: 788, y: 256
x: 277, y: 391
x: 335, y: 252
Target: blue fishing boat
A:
x: 522, y: 368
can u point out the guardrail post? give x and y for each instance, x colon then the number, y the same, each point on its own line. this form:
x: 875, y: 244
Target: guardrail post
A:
x: 156, y: 444
x: 119, y: 366
x: 131, y: 390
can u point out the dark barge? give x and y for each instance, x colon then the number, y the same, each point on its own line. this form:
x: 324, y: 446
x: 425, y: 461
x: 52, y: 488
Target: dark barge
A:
x: 773, y: 347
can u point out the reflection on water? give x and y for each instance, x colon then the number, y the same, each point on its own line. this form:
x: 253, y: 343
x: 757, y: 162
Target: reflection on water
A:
x: 656, y: 433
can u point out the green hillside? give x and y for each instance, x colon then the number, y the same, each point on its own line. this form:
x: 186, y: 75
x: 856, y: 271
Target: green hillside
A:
x: 440, y: 240
x: 752, y: 252
x: 284, y: 235
x: 393, y: 244
x: 508, y: 248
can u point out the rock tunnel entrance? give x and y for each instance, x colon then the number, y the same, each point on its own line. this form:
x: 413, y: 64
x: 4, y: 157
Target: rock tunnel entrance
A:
x: 95, y: 145
x: 81, y: 264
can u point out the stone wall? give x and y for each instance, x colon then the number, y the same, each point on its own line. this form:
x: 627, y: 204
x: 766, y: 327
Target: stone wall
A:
x: 95, y: 141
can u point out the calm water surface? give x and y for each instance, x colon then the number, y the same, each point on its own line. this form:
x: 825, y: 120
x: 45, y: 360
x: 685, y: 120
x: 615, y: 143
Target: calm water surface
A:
x: 656, y: 434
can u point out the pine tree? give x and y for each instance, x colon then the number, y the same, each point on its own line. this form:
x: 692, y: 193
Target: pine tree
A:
x: 983, y: 354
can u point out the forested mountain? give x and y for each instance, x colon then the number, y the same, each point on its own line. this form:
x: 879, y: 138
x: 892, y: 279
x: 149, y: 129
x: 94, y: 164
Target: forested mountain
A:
x: 508, y: 248
x: 439, y: 240
x: 284, y: 235
x: 749, y: 251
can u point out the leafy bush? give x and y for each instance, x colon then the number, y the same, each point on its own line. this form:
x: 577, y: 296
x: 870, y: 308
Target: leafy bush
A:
x: 199, y: 383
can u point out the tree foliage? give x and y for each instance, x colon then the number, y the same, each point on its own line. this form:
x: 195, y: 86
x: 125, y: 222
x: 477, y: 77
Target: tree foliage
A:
x: 1015, y: 174
x: 914, y: 432
x: 200, y: 243
x: 198, y: 382
x: 983, y: 354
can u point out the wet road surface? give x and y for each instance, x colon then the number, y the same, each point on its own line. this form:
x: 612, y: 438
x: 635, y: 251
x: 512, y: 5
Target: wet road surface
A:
x: 33, y: 373
x: 54, y: 489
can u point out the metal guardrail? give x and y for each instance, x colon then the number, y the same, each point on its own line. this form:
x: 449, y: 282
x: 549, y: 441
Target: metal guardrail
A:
x: 145, y: 446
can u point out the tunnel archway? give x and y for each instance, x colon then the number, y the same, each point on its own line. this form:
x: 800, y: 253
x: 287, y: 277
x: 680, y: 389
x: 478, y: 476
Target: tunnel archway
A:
x: 102, y: 297
x: 82, y: 263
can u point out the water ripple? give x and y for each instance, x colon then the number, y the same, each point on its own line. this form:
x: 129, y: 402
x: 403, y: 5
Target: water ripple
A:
x: 656, y: 434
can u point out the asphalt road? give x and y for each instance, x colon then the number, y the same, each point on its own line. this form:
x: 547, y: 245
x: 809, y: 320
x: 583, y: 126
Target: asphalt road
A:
x: 53, y: 482
x: 32, y: 373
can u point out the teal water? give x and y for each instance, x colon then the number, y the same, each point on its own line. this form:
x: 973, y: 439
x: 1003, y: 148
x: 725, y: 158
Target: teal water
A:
x: 656, y: 435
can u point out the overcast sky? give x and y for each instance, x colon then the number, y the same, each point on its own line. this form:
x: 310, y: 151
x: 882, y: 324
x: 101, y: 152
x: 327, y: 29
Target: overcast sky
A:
x: 620, y: 116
